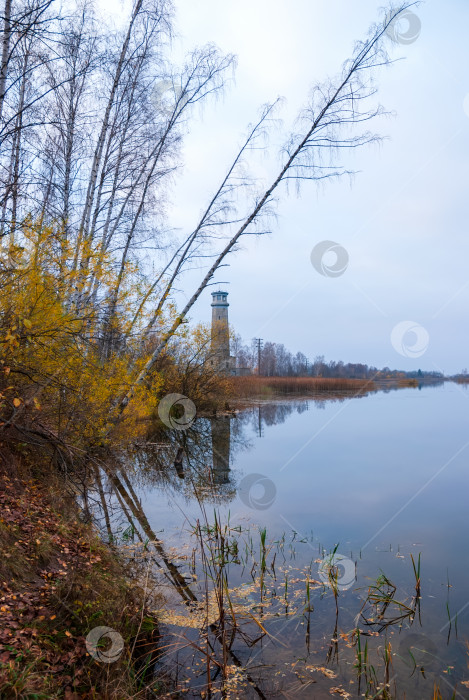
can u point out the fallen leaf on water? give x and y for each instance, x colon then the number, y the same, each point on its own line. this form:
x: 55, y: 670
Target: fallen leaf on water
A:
x: 340, y: 691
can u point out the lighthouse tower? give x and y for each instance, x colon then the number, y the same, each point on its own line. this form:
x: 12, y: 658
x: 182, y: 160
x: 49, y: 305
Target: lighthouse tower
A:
x: 220, y: 347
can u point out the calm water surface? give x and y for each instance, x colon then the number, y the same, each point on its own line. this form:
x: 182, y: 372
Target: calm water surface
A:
x: 376, y: 478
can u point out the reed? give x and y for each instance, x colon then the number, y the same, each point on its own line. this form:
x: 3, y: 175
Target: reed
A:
x: 416, y: 568
x: 254, y: 386
x: 332, y: 571
x: 263, y: 560
x: 364, y: 669
x: 403, y: 383
x: 382, y: 610
x: 437, y: 693
x: 308, y: 607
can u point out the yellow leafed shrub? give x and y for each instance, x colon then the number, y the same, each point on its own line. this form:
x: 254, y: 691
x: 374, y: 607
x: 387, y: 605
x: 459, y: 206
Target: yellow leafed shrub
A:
x: 55, y: 376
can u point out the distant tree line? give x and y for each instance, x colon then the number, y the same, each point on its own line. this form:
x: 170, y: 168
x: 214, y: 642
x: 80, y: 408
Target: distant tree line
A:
x: 461, y: 377
x: 277, y: 361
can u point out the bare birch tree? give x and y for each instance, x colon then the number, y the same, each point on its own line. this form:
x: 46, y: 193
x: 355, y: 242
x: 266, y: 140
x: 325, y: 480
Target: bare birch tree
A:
x: 334, y: 120
x: 89, y: 146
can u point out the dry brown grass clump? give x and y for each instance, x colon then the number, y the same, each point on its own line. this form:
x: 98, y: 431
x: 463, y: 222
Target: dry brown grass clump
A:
x: 251, y: 386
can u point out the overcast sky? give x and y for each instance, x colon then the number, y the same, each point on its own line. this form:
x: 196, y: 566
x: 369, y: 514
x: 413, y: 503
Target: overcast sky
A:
x: 404, y: 219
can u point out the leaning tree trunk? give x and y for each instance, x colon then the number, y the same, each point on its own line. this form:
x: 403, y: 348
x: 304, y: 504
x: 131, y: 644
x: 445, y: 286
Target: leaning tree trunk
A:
x: 339, y: 106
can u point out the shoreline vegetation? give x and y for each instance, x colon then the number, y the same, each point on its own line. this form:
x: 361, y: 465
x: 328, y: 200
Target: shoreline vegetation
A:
x: 60, y: 579
x: 91, y: 337
x: 251, y: 386
x: 270, y: 388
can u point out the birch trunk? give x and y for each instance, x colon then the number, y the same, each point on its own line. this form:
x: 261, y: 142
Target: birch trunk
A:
x: 85, y: 220
x: 338, y: 102
x: 5, y: 53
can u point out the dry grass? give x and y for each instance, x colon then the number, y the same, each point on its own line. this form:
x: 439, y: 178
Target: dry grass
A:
x: 403, y: 383
x: 245, y: 387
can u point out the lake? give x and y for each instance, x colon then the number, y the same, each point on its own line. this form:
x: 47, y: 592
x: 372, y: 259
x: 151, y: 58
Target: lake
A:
x: 304, y: 516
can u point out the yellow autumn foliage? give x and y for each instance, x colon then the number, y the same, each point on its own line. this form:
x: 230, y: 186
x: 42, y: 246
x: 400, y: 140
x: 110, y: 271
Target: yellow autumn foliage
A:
x: 54, y: 376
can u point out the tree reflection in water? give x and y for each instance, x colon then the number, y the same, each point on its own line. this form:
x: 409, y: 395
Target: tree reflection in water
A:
x: 228, y: 595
